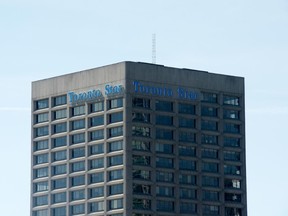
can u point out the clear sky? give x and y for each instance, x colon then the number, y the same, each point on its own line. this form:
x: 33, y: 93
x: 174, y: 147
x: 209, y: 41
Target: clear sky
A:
x: 40, y: 39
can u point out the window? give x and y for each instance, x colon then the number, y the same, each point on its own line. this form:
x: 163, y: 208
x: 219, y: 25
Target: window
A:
x: 141, y: 204
x: 60, y: 211
x: 77, y: 195
x: 141, y: 117
x: 59, y: 141
x: 231, y: 100
x: 164, y: 120
x: 141, y: 160
x: 209, y: 153
x: 187, y: 151
x: 78, y: 124
x: 187, y: 165
x: 96, y: 206
x: 59, y: 128
x: 77, y: 138
x: 39, y: 118
x: 231, y: 142
x: 233, y: 211
x: 141, y: 189
x: 78, y: 166
x: 115, y: 103
x: 186, y: 122
x: 97, y: 107
x: 164, y: 162
x: 40, y: 200
x: 115, y: 117
x: 209, y: 97
x: 164, y: 191
x: 77, y: 180
x: 187, y: 179
x: 164, y: 134
x: 59, y: 169
x: 60, y: 100
x: 77, y: 152
x: 165, y: 206
x: 42, y: 104
x: 40, y: 173
x: 232, y: 170
x: 96, y: 177
x: 96, y: 163
x: 115, y: 204
x: 231, y: 128
x: 96, y: 121
x: 231, y: 156
x: 210, y: 181
x: 141, y: 103
x: 209, y: 139
x: 210, y: 210
x: 187, y: 193
x: 115, y: 131
x: 140, y: 145
x: 96, y: 149
x: 210, y: 195
x: 41, y: 145
x: 231, y: 114
x: 58, y: 197
x: 43, y: 212
x: 209, y: 125
x: 40, y: 159
x: 141, y: 174
x: 116, y: 189
x: 232, y: 183
x: 115, y: 174
x: 187, y: 136
x: 59, y: 114
x: 96, y: 192
x: 140, y: 131
x: 164, y: 176
x: 41, y: 131
x: 188, y: 208
x: 210, y: 167
x: 77, y: 209
x: 166, y: 106
x: 232, y: 197
x: 115, y: 146
x: 97, y: 135
x: 115, y: 160
x: 164, y: 148
x: 77, y: 111
x: 59, y: 183
x: 59, y: 155
x: 185, y: 108
x: 209, y: 111
x: 40, y: 186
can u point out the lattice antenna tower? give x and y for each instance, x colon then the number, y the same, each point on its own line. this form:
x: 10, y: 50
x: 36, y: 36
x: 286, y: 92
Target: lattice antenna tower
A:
x: 154, y: 48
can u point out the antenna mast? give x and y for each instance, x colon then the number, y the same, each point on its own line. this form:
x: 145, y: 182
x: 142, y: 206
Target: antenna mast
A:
x: 154, y: 48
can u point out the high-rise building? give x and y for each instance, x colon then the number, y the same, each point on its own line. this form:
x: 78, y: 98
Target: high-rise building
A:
x: 138, y: 139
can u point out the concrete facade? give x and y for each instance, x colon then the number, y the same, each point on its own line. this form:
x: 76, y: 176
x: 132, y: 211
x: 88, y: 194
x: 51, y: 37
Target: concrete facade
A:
x: 138, y: 139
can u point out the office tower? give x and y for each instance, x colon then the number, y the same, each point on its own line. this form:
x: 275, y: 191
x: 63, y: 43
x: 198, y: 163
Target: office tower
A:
x: 138, y: 139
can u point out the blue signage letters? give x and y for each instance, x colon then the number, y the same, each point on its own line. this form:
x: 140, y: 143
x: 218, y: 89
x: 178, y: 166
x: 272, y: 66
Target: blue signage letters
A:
x: 84, y: 96
x: 109, y: 89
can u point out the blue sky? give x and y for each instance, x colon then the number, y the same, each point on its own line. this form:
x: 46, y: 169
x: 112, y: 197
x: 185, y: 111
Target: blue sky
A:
x: 40, y: 39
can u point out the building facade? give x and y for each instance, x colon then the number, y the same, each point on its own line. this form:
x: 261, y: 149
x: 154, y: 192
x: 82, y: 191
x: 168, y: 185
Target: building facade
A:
x: 137, y: 139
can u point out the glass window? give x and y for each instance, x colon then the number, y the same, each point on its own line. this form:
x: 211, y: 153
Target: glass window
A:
x: 188, y: 208
x: 60, y: 211
x: 140, y: 145
x: 41, y: 131
x: 231, y: 156
x: 59, y: 155
x: 187, y: 136
x: 231, y: 100
x: 97, y: 121
x: 40, y: 200
x: 40, y: 159
x: 141, y: 160
x: 165, y: 206
x: 231, y: 128
x: 140, y: 131
x: 231, y: 142
x: 96, y: 149
x: 60, y: 100
x: 232, y: 170
x: 186, y: 122
x: 115, y: 146
x: 210, y: 167
x: 77, y: 195
x: 232, y: 183
x: 77, y: 138
x: 187, y: 165
x: 77, y: 209
x: 41, y: 145
x: 141, y: 189
x: 209, y: 111
x: 42, y: 104
x: 164, y: 120
x: 115, y: 103
x: 40, y: 186
x: 96, y: 163
x: 210, y: 195
x: 97, y: 107
x: 40, y: 173
x: 77, y: 152
x: 59, y: 169
x: 232, y: 197
x: 96, y: 206
x: 164, y: 162
x: 78, y: 166
x: 209, y: 97
x: 164, y: 176
x: 59, y: 183
x: 166, y: 106
x: 115, y: 160
x: 141, y: 204
x: 96, y: 192
x: 115, y: 204
x: 187, y: 179
x: 116, y: 189
x: 210, y: 210
x: 59, y: 141
x: 164, y: 148
x: 164, y: 134
x: 141, y: 117
x: 187, y: 151
x: 209, y: 125
x: 59, y: 114
x: 187, y: 193
x: 210, y: 181
x: 115, y: 174
x: 97, y: 135
x: 115, y: 131
x: 233, y: 211
x: 96, y: 177
x: 59, y: 128
x: 209, y: 139
x: 43, y: 212
x: 79, y: 110
x: 115, y: 117
x: 164, y: 191
x: 77, y: 180
x: 78, y: 124
x: 185, y: 108
x: 58, y: 197
x: 231, y: 114
x: 39, y: 118
x: 209, y: 153
x: 141, y: 174
x: 141, y: 102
